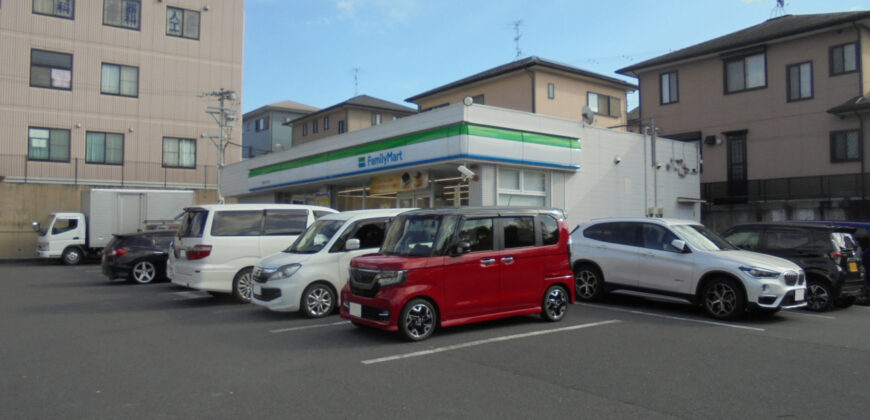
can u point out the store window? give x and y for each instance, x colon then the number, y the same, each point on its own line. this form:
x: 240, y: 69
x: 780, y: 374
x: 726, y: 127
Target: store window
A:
x: 182, y: 23
x: 122, y: 13
x: 105, y: 148
x: 522, y: 187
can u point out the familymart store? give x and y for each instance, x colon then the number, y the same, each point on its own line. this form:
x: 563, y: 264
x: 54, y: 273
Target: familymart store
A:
x: 455, y: 156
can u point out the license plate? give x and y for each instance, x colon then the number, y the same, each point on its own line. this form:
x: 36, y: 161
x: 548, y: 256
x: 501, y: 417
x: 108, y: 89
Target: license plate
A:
x: 853, y: 267
x: 799, y: 295
x: 258, y: 290
x: 356, y: 310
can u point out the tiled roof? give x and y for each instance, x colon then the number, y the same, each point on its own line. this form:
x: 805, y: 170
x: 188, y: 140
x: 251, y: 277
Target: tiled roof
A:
x: 289, y: 106
x: 364, y: 101
x: 780, y: 27
x: 857, y: 104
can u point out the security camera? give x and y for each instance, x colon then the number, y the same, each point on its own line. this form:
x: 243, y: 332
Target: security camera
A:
x: 467, y: 173
x: 658, y: 165
x: 616, y: 160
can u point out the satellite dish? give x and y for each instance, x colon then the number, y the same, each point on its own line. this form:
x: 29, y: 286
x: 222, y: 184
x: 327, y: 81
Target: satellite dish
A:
x: 588, y: 115
x: 468, y: 101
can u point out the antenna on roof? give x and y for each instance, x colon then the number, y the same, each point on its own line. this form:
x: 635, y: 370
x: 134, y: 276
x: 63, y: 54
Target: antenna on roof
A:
x: 778, y: 10
x: 517, y: 36
x: 355, y: 80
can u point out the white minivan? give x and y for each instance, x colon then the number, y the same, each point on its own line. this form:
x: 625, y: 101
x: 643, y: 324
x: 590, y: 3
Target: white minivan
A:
x: 217, y: 245
x: 307, y: 276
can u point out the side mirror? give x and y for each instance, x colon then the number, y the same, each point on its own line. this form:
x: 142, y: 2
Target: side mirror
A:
x: 459, y: 248
x: 35, y: 225
x: 680, y: 245
x: 351, y: 244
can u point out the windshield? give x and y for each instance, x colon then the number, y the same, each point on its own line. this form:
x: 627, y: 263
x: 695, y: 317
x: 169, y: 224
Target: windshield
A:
x: 412, y: 236
x: 701, y: 238
x: 45, y: 224
x: 315, y: 237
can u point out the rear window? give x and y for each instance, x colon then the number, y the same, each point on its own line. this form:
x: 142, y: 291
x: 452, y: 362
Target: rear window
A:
x: 549, y: 230
x: 193, y: 224
x: 285, y: 222
x: 237, y: 223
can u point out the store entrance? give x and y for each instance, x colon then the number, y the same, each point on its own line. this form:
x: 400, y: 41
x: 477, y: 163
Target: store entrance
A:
x: 421, y: 199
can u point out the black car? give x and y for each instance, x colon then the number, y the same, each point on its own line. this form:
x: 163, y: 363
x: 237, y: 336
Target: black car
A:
x: 138, y: 257
x: 826, y: 253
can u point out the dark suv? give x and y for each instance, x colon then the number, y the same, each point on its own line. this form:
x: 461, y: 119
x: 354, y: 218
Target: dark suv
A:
x: 827, y: 253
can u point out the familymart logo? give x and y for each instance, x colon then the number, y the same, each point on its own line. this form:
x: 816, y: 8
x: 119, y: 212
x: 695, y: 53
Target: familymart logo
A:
x: 380, y: 159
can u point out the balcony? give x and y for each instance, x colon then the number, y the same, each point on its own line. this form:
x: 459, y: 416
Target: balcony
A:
x: 822, y: 187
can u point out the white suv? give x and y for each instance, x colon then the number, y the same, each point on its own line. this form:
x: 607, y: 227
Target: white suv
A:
x: 682, y: 260
x: 308, y: 275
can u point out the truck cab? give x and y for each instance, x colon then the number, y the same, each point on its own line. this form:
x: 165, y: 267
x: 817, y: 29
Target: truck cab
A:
x: 62, y: 235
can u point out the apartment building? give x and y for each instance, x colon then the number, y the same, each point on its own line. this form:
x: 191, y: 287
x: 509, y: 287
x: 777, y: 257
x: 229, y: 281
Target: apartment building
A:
x: 267, y: 129
x: 353, y: 114
x: 107, y: 92
x: 538, y: 86
x: 781, y: 111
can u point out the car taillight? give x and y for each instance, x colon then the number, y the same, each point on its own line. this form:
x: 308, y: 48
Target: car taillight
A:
x: 117, y: 252
x: 198, y: 252
x: 836, y: 255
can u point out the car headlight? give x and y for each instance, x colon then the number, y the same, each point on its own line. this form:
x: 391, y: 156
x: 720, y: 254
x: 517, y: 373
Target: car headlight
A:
x: 390, y: 278
x: 760, y: 272
x: 285, y: 271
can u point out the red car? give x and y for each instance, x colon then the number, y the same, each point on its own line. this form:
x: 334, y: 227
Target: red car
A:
x: 452, y: 266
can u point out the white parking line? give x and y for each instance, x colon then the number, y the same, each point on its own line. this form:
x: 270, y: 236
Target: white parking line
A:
x: 678, y: 318
x: 482, y: 342
x: 307, y: 327
x: 811, y: 315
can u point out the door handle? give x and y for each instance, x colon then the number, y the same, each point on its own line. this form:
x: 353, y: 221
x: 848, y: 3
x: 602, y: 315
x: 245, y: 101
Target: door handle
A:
x: 507, y: 260
x: 487, y: 261
x: 75, y: 237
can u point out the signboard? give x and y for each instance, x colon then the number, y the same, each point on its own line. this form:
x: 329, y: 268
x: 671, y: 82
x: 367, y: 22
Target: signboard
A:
x: 405, y: 181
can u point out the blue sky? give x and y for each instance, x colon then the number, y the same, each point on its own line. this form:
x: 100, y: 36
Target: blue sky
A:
x: 306, y: 50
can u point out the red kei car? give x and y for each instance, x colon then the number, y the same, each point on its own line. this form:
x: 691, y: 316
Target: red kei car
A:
x: 445, y: 267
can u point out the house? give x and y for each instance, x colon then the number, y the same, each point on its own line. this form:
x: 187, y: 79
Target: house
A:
x: 538, y: 86
x: 108, y: 93
x: 264, y: 129
x: 781, y: 111
x: 353, y: 114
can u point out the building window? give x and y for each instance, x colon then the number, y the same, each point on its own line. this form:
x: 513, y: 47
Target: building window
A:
x: 551, y: 91
x: 341, y: 128
x: 120, y: 80
x: 107, y: 148
x: 262, y: 124
x: 846, y: 146
x: 182, y: 23
x: 376, y: 118
x: 325, y: 123
x: 50, y: 69
x: 518, y: 187
x: 603, y: 104
x: 478, y: 99
x: 179, y: 153
x: 50, y: 144
x: 745, y: 73
x: 314, y: 126
x: 670, y: 92
x: 305, y: 129
x: 800, y: 81
x: 844, y: 59
x: 58, y: 8
x: 122, y: 13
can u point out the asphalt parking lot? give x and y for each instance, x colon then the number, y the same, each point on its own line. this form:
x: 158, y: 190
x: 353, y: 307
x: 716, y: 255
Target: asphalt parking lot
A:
x: 76, y: 345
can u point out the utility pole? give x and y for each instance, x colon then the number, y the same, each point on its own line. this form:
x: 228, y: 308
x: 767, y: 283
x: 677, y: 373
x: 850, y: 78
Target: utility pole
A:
x: 225, y: 117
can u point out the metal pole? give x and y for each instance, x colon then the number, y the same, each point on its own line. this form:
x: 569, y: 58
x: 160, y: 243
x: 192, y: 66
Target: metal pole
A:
x: 223, y: 118
x: 654, y: 164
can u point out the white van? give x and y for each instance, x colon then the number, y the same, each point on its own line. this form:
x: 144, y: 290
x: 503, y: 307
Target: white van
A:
x: 307, y: 276
x: 217, y: 245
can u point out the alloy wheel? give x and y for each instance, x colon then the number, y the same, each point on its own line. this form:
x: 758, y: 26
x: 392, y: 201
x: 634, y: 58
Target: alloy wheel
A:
x: 144, y: 272
x: 246, y: 285
x: 319, y: 301
x: 721, y: 299
x: 818, y: 297
x: 586, y: 283
x: 419, y: 320
x: 556, y: 303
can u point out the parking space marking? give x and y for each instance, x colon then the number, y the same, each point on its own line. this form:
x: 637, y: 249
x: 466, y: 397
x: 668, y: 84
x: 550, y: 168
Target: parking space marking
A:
x: 810, y: 315
x: 485, y: 341
x: 307, y: 327
x: 678, y: 318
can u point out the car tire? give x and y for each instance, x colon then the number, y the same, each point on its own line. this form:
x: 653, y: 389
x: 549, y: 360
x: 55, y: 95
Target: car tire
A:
x: 318, y: 300
x: 588, y: 283
x: 723, y: 299
x: 845, y: 302
x: 418, y: 320
x: 820, y: 297
x: 72, y: 256
x: 143, y: 272
x: 555, y: 303
x: 243, y: 285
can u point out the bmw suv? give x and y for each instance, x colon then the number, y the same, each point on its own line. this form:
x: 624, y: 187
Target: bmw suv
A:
x: 684, y: 261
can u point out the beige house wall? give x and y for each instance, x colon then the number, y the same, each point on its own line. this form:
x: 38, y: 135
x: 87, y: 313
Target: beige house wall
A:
x: 571, y: 95
x: 512, y: 91
x: 784, y: 139
x: 172, y: 72
x: 355, y: 119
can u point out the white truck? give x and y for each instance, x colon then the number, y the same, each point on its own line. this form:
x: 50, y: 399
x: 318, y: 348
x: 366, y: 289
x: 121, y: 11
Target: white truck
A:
x: 73, y: 236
